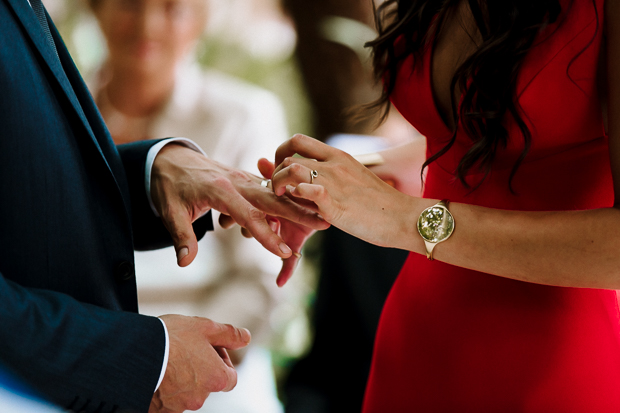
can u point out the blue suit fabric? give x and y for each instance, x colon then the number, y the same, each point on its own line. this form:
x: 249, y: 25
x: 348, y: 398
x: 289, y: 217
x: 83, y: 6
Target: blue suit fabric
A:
x: 72, y: 209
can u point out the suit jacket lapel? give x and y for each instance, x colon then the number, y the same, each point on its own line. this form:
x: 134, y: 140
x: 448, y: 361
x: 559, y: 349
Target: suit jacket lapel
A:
x: 32, y: 27
x: 89, y: 113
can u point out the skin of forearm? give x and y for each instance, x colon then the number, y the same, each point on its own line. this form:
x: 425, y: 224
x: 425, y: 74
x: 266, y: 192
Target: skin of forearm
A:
x: 563, y: 248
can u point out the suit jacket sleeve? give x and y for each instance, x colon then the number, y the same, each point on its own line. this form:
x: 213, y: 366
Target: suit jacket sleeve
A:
x: 69, y: 322
x: 80, y: 356
x: 149, y: 232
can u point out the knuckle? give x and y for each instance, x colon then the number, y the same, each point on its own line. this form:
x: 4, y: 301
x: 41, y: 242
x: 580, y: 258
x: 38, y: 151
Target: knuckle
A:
x: 288, y: 161
x: 169, y: 210
x: 235, y: 333
x: 255, y: 214
x: 340, y: 169
x: 297, y: 139
x: 178, y: 234
x: 220, y: 381
x: 227, y: 329
x: 222, y: 182
x: 237, y: 174
x: 296, y: 169
x: 205, y: 326
x: 322, y: 192
x: 195, y: 403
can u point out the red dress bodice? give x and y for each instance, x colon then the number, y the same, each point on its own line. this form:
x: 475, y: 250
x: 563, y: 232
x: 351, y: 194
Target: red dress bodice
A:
x: 456, y: 340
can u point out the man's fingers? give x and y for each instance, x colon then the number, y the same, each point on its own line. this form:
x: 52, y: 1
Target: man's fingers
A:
x: 255, y: 221
x: 229, y: 369
x: 225, y: 221
x: 229, y: 337
x: 248, y: 234
x: 274, y: 224
x: 179, y: 224
x: 231, y: 381
x: 304, y: 214
x: 264, y: 234
x: 221, y: 351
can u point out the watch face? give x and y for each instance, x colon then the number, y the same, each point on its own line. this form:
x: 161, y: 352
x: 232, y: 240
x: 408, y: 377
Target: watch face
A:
x: 435, y: 224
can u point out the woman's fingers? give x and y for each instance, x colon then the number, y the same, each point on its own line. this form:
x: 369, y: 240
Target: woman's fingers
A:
x: 318, y: 195
x: 305, y: 146
x: 294, y: 171
x: 265, y: 167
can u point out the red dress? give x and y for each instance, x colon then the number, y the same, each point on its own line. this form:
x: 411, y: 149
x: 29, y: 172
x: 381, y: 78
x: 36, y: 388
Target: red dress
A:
x: 456, y: 340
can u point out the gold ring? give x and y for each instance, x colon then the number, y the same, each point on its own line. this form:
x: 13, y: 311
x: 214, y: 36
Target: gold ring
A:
x: 313, y: 174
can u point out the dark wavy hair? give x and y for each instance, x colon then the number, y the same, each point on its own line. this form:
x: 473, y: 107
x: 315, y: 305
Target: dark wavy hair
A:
x: 487, y: 78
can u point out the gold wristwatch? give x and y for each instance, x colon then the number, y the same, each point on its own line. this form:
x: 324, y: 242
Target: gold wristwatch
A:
x: 435, y: 225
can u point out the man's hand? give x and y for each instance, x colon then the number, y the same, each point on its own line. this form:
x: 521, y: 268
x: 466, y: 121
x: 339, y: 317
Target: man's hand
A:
x: 185, y: 185
x: 198, y: 363
x: 293, y: 234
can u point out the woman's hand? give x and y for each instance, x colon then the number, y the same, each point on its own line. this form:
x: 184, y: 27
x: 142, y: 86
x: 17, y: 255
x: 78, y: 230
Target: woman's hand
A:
x: 345, y: 192
x: 295, y: 235
x: 185, y: 184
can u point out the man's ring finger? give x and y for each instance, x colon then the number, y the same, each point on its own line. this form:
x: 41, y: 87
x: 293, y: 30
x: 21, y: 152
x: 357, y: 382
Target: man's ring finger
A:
x: 313, y: 174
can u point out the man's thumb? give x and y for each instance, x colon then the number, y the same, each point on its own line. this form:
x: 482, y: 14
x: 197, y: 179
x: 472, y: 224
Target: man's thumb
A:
x: 185, y: 244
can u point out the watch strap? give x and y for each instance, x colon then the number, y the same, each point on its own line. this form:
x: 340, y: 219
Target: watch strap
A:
x: 430, y: 246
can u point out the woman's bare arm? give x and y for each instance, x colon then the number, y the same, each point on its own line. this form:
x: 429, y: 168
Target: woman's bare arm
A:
x: 566, y: 248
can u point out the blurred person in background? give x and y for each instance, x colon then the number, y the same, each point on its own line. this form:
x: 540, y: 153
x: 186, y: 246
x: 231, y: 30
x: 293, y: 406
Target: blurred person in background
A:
x: 149, y: 86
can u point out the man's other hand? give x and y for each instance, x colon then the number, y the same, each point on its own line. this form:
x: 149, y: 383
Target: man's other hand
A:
x: 198, y: 363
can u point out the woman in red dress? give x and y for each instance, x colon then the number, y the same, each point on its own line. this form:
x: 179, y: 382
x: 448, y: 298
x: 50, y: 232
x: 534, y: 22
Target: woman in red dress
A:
x: 516, y: 312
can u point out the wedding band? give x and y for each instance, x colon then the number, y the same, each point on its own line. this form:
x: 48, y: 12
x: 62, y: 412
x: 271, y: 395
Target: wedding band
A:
x: 265, y: 183
x: 313, y: 174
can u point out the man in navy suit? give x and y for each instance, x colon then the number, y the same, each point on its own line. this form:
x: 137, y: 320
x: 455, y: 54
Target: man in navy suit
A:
x: 72, y: 209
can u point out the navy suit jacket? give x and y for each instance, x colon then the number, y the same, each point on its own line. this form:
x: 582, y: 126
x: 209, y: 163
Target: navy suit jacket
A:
x: 72, y: 209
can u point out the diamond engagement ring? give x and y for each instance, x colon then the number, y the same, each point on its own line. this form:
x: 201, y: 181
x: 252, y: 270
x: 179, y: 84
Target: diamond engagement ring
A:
x: 313, y: 174
x: 265, y: 183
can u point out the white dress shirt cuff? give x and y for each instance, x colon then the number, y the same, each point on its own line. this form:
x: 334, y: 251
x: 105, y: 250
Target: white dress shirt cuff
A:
x: 166, y: 353
x: 150, y: 159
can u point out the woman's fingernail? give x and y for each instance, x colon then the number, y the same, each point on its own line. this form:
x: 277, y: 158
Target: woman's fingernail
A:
x: 182, y: 253
x: 284, y: 248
